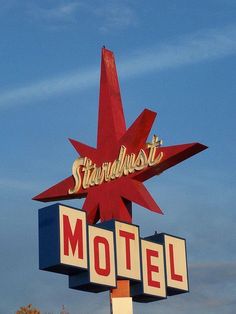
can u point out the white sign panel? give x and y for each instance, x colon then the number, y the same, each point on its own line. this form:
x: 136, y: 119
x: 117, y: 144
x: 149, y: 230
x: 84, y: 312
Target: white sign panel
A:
x: 176, y: 263
x: 127, y: 250
x: 101, y: 256
x: 73, y: 237
x: 153, y: 269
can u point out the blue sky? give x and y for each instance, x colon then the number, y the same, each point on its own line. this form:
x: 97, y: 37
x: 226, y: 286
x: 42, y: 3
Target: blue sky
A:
x: 174, y: 57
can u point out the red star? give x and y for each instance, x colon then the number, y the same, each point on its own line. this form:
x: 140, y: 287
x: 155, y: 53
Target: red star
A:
x: 113, y: 199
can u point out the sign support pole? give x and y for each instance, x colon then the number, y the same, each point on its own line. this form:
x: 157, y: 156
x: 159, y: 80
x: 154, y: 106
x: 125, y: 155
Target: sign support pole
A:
x: 120, y: 300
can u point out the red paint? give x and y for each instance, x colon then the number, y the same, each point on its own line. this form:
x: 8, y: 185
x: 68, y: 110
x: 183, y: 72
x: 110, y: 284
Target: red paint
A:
x: 152, y: 268
x: 113, y: 200
x: 128, y: 237
x: 98, y: 241
x: 75, y: 239
x: 174, y: 276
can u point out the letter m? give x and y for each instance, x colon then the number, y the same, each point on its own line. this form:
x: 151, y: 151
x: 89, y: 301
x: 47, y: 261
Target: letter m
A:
x: 74, y: 239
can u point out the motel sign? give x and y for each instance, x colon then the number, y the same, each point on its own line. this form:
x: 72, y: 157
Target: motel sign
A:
x: 99, y: 247
x: 95, y: 256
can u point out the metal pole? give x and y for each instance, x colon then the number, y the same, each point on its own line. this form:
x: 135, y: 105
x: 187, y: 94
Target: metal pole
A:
x: 120, y: 300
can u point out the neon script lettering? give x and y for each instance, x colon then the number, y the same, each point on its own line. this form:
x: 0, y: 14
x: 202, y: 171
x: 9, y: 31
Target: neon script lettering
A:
x: 87, y: 174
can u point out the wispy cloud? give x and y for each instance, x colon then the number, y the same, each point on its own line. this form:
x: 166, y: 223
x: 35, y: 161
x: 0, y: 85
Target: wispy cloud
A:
x: 105, y: 16
x: 78, y: 81
x: 201, y: 46
x: 115, y: 15
x: 59, y: 14
x: 19, y: 185
x: 194, y: 48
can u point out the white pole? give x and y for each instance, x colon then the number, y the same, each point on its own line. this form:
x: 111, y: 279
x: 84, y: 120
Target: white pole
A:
x: 122, y: 305
x: 120, y: 300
